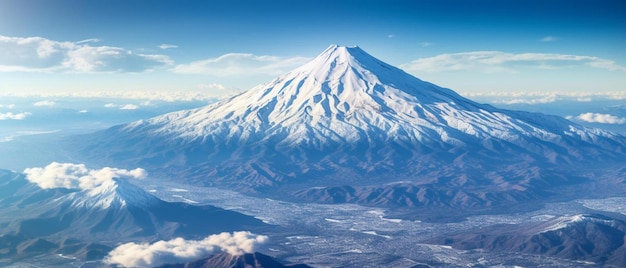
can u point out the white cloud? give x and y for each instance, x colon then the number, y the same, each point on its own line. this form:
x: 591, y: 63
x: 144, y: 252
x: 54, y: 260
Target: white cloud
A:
x: 213, y: 86
x: 77, y: 176
x: 91, y: 40
x: 129, y: 107
x: 46, y: 103
x: 125, y: 106
x: 540, y: 97
x: 90, y: 59
x: 241, y: 64
x: 8, y: 106
x: 12, y: 116
x: 179, y: 250
x: 169, y: 96
x: 166, y: 46
x: 37, y: 54
x: 497, y: 61
x: 599, y: 118
x: 549, y: 39
x: 391, y: 36
x: 83, y: 111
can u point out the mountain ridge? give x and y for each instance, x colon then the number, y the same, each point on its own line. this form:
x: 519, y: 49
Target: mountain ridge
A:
x: 586, y: 237
x: 225, y: 260
x: 116, y: 210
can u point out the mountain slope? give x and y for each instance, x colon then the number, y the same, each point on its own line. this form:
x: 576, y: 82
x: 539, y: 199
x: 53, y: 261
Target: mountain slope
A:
x: 595, y: 238
x: 225, y: 260
x: 115, y: 211
x: 19, y: 247
x: 346, y: 118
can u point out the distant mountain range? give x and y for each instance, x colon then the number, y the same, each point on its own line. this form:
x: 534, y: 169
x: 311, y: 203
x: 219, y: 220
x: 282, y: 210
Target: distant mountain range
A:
x: 347, y: 127
x: 595, y: 238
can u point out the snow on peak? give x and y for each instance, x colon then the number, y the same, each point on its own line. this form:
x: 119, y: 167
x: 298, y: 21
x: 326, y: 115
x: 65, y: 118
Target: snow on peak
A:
x: 559, y: 223
x: 115, y: 193
x: 345, y: 95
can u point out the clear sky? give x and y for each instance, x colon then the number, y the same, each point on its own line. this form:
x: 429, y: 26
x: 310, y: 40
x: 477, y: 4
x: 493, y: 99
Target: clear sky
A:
x: 223, y: 46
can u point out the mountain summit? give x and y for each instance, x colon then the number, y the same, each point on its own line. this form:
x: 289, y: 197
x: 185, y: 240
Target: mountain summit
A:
x: 345, y: 95
x: 349, y: 119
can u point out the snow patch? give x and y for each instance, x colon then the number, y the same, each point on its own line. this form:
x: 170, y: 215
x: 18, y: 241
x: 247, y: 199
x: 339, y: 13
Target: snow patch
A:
x: 563, y: 222
x: 376, y: 234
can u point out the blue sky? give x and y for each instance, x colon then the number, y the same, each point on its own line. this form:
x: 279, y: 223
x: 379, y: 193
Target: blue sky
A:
x: 221, y: 47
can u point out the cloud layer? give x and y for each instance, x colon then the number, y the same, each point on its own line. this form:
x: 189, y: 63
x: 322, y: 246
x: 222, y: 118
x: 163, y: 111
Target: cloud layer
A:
x: 599, y: 118
x: 544, y: 97
x: 205, y: 92
x: 497, y: 61
x: 241, y: 64
x: 8, y: 106
x: 38, y: 54
x: 179, y: 250
x: 77, y: 176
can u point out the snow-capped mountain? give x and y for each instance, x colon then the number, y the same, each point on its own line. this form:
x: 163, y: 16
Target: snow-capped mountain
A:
x: 86, y: 224
x: 114, y: 211
x: 347, y: 118
x: 115, y: 193
x: 347, y: 96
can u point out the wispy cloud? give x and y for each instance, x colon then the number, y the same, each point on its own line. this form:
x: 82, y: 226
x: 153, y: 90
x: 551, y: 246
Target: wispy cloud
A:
x: 549, y: 39
x: 497, y: 61
x: 77, y: 176
x: 202, y: 94
x: 8, y: 106
x: 91, y: 40
x: 38, y: 54
x: 241, y: 64
x: 12, y: 116
x: 179, y: 250
x: 167, y: 46
x: 45, y: 103
x: 599, y: 118
x: 391, y: 36
x: 541, y: 97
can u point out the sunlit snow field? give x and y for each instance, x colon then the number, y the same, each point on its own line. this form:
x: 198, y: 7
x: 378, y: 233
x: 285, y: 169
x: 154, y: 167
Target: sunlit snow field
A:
x: 29, y: 126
